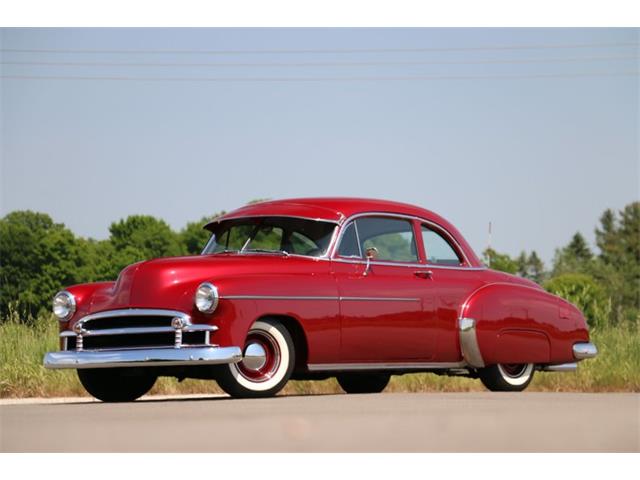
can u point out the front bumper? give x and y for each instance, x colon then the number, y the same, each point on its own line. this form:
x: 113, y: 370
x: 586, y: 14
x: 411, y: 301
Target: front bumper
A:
x: 147, y: 357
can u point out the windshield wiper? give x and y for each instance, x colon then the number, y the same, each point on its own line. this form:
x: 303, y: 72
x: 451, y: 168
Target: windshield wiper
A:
x: 265, y: 250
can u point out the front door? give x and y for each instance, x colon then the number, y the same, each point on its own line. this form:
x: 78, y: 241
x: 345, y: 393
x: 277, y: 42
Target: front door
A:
x: 386, y: 306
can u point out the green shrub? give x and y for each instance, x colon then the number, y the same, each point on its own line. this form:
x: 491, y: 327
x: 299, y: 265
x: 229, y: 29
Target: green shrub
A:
x: 584, y: 292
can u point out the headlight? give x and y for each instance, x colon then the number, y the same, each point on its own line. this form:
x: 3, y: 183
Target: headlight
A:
x: 206, y: 299
x: 64, y: 305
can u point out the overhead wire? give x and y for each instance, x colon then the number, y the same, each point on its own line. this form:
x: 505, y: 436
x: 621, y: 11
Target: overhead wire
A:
x: 324, y: 64
x: 324, y: 79
x: 321, y: 51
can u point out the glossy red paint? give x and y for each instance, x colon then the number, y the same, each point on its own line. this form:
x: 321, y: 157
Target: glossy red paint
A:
x: 396, y: 313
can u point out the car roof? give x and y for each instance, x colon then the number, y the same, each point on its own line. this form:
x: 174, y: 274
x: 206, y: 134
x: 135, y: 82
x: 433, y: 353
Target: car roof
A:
x: 338, y: 209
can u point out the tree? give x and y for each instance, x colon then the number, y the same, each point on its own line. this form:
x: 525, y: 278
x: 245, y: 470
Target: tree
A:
x: 499, y: 261
x: 530, y: 266
x: 194, y: 237
x: 37, y: 258
x: 144, y: 237
x: 575, y: 257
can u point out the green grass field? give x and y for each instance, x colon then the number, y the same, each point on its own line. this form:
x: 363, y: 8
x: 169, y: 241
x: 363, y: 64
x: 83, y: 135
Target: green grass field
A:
x: 22, y: 347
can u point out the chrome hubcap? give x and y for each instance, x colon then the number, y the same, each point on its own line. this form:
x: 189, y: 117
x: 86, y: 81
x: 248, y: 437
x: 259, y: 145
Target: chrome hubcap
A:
x: 255, y: 357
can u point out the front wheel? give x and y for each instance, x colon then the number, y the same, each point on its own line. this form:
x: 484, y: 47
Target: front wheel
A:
x: 116, y: 384
x: 363, y: 382
x: 507, y: 377
x: 267, y: 364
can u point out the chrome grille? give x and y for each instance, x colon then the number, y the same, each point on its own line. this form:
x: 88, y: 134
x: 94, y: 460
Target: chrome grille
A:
x: 136, y: 328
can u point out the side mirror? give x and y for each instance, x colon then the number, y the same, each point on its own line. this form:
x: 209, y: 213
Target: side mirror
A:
x: 370, y: 253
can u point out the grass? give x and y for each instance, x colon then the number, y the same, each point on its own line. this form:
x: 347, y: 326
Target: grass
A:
x: 22, y: 347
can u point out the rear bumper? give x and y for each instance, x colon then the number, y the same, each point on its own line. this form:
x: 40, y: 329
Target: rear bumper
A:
x: 148, y: 357
x: 584, y: 350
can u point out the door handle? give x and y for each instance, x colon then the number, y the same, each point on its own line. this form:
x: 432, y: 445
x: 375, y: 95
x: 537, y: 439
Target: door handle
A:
x: 426, y: 274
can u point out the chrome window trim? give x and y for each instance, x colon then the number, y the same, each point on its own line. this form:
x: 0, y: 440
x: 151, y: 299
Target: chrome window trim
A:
x: 326, y: 367
x: 443, y: 237
x: 333, y: 250
x: 336, y: 228
x: 408, y: 265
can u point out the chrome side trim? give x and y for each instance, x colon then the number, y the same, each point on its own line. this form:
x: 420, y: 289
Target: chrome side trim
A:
x: 345, y: 299
x: 148, y: 357
x: 327, y: 367
x: 584, y: 350
x: 564, y: 367
x: 275, y: 297
x: 379, y: 299
x: 139, y: 330
x: 469, y: 342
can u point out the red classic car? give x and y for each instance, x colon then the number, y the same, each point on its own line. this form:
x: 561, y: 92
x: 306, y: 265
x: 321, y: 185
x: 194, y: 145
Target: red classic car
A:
x: 314, y: 288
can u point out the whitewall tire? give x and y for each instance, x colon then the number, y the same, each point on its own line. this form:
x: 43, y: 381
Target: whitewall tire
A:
x: 269, y: 359
x: 507, y: 377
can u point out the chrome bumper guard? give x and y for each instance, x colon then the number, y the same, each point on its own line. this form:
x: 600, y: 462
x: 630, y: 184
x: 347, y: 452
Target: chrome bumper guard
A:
x: 584, y: 350
x: 147, y: 357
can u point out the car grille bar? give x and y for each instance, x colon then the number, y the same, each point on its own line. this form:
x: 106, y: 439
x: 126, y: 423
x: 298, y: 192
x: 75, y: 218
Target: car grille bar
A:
x: 167, y: 328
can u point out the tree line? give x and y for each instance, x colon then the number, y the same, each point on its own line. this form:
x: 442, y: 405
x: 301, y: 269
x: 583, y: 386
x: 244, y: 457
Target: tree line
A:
x: 39, y: 256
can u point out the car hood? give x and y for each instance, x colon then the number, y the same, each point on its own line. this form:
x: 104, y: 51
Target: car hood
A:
x: 170, y: 283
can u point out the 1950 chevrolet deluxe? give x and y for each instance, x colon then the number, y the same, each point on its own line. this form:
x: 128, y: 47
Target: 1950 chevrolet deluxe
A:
x: 309, y: 289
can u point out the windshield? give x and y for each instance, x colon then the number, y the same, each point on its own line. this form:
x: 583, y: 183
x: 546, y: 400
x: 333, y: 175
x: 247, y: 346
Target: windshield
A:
x: 285, y: 235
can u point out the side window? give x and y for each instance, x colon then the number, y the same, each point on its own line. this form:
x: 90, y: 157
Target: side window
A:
x: 392, y: 238
x: 438, y: 250
x: 349, y: 244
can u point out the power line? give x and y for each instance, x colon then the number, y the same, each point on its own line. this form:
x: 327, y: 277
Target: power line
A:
x: 325, y: 79
x: 323, y: 51
x: 323, y: 64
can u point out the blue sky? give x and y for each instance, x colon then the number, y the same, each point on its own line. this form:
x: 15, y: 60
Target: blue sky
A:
x: 539, y: 157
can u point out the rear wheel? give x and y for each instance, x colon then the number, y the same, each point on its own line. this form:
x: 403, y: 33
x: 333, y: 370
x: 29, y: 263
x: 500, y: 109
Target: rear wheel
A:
x: 363, y: 382
x: 116, y: 384
x: 507, y: 377
x: 267, y: 364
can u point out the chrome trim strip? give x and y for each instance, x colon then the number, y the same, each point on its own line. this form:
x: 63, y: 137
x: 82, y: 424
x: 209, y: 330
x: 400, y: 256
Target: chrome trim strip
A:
x: 149, y: 357
x: 274, y: 297
x: 139, y: 330
x: 564, y: 367
x: 137, y: 312
x: 325, y: 367
x: 469, y: 342
x: 345, y: 299
x: 584, y: 350
x: 408, y: 265
x: 379, y: 299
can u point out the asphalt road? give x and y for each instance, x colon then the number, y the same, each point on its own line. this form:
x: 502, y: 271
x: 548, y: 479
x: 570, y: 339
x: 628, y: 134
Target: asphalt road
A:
x: 392, y: 422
